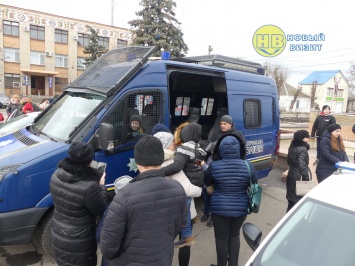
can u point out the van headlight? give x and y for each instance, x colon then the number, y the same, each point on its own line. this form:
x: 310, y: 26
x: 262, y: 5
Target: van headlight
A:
x: 4, y: 170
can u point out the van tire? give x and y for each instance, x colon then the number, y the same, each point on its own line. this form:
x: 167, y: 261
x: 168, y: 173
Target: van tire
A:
x: 44, y: 234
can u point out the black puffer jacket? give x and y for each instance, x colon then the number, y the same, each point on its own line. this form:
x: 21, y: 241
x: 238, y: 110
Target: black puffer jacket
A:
x: 78, y: 200
x: 298, y: 160
x: 328, y: 157
x: 143, y: 220
x: 321, y: 123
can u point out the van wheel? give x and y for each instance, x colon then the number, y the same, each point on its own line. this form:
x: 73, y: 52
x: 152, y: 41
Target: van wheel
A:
x: 44, y: 234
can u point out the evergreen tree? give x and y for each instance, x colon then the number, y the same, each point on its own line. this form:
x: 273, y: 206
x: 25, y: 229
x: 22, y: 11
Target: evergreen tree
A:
x: 159, y: 27
x: 94, y: 49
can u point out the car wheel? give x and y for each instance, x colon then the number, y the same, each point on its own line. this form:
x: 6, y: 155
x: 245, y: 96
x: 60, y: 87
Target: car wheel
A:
x: 43, y: 234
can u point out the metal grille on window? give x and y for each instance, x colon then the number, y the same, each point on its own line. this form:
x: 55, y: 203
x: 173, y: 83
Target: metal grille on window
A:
x: 252, y: 113
x: 134, y: 117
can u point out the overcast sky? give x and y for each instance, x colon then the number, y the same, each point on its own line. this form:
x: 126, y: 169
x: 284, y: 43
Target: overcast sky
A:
x: 229, y: 26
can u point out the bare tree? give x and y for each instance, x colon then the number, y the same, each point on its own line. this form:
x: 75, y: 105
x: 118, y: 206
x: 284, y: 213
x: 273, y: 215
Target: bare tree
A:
x: 278, y: 73
x: 351, y: 76
x: 313, y: 93
x: 295, y: 98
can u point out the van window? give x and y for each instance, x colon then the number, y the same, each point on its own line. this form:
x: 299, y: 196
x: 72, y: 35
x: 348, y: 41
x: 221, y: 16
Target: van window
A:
x: 182, y: 106
x: 252, y: 113
x: 207, y: 106
x: 144, y: 106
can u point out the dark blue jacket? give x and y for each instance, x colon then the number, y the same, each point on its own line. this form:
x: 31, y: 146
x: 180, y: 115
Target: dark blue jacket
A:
x: 328, y: 157
x: 230, y: 177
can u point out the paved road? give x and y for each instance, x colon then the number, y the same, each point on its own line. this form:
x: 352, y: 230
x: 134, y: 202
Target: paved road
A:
x: 203, y: 252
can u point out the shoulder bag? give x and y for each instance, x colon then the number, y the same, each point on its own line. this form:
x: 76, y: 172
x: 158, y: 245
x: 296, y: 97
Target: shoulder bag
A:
x: 303, y: 186
x: 254, y: 192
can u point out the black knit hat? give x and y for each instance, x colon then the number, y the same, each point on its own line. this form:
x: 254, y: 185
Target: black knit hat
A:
x: 300, y: 135
x: 136, y: 118
x: 81, y: 153
x: 149, y: 151
x: 333, y: 127
x: 226, y: 118
x: 325, y: 106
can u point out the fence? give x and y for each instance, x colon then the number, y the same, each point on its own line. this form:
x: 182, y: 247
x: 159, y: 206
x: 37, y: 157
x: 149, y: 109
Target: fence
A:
x: 296, y: 117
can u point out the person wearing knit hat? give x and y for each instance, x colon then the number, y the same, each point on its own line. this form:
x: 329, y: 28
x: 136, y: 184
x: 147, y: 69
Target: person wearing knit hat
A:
x: 81, y: 153
x: 14, y: 104
x: 227, y: 128
x: 136, y: 129
x: 332, y: 151
x: 166, y: 138
x: 321, y: 123
x: 143, y: 207
x: 298, y: 160
x: 160, y: 128
x: 300, y: 135
x: 79, y: 194
x: 149, y: 152
x: 333, y: 127
x: 27, y: 108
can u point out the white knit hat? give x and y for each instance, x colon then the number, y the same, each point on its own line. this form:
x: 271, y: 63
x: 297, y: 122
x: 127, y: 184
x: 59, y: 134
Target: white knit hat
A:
x: 165, y: 138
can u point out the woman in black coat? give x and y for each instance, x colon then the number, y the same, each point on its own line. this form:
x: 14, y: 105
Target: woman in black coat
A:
x: 332, y: 151
x: 79, y: 196
x: 298, y: 160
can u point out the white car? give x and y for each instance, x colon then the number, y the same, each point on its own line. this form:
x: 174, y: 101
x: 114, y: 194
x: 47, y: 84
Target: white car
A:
x: 318, y: 230
x: 4, y: 100
x: 17, y: 123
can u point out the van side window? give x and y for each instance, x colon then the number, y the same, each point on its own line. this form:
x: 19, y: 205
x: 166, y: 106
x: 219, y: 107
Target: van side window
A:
x: 145, y: 108
x: 207, y: 106
x: 252, y: 113
x: 182, y: 106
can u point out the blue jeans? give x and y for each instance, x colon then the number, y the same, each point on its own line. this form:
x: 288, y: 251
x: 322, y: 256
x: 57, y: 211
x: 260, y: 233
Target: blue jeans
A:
x: 187, y: 231
x: 206, y: 202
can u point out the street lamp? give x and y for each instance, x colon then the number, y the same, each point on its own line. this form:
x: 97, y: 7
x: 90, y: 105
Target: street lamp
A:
x: 210, y: 49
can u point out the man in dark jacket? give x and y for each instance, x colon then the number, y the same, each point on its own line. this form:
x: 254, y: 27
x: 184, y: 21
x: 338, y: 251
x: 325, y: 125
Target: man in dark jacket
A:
x: 146, y: 215
x: 322, y: 122
x: 227, y: 128
x: 79, y: 196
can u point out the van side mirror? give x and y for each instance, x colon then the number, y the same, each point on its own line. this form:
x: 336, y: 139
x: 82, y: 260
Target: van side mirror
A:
x: 252, y: 235
x: 106, y: 137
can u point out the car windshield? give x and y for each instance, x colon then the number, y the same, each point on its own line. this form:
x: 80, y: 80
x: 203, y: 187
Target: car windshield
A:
x: 66, y: 114
x: 316, y: 234
x: 16, y: 124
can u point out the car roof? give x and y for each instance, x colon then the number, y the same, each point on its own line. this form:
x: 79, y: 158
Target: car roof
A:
x: 336, y: 190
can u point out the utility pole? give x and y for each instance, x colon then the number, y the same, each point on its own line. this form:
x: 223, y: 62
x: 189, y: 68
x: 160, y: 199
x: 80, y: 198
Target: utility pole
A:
x: 112, y: 9
x: 210, y: 49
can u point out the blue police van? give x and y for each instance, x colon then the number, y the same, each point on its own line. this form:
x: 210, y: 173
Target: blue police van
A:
x: 97, y: 107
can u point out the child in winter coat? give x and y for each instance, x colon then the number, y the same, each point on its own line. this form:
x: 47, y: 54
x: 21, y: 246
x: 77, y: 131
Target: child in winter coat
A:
x: 188, y: 157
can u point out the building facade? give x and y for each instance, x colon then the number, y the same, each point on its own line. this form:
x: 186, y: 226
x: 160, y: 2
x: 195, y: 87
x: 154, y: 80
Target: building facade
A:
x: 330, y: 87
x: 41, y: 53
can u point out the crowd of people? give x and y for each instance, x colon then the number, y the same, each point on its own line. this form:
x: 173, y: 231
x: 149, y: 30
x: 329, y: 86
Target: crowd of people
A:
x: 330, y: 150
x: 141, y: 224
x: 25, y: 105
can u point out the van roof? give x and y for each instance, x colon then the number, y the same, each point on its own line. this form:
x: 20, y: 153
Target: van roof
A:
x: 337, y: 190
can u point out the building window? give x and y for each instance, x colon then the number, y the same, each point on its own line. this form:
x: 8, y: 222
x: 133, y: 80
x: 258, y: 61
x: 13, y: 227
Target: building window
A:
x: 121, y: 43
x: 329, y: 91
x: 339, y: 93
x: 80, y: 63
x: 37, y: 58
x: 252, y: 113
x: 11, y: 28
x: 207, y: 106
x: 11, y: 55
x: 37, y: 32
x: 83, y: 39
x: 12, y: 81
x: 104, y: 41
x: 61, y: 61
x: 61, y: 36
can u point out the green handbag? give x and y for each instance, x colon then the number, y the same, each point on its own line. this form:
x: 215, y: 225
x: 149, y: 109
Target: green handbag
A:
x: 254, y: 192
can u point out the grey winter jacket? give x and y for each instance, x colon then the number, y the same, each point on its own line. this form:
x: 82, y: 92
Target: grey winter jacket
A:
x: 143, y: 220
x: 78, y: 200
